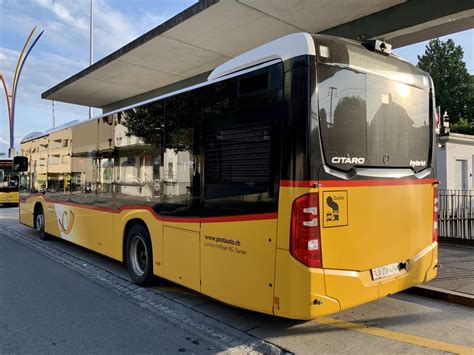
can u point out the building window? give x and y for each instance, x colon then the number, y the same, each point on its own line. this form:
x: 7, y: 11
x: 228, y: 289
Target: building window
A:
x: 461, y: 174
x: 170, y: 170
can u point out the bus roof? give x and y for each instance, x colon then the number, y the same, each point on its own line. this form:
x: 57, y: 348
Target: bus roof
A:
x: 281, y: 49
x: 278, y: 50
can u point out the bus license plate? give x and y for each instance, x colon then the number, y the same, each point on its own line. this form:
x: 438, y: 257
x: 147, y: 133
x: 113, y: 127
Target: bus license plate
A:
x: 385, y: 271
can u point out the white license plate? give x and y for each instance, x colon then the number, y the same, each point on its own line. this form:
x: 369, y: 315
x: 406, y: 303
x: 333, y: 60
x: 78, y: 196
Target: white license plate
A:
x: 385, y: 271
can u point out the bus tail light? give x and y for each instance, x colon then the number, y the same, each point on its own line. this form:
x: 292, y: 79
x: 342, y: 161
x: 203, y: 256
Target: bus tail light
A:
x: 435, y: 215
x: 305, y: 238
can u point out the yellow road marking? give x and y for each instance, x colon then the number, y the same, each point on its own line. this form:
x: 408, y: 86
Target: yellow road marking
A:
x: 402, y: 337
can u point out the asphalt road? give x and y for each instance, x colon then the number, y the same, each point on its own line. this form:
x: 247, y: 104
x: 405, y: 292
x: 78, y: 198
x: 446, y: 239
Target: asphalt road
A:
x: 46, y: 307
x: 58, y: 297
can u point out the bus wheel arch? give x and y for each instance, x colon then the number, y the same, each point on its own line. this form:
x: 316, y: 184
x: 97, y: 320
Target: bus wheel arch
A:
x: 137, y: 251
x: 39, y: 220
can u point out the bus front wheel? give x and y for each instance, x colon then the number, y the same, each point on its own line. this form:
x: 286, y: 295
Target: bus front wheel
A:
x: 139, y: 255
x: 40, y: 222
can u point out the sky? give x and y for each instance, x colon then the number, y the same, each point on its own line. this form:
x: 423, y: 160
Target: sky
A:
x: 63, y: 50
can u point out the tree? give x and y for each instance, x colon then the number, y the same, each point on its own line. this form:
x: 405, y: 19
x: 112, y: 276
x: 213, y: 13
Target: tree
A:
x: 470, y: 101
x: 453, y: 84
x: 463, y: 126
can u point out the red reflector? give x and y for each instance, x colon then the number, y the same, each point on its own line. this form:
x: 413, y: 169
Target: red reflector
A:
x: 305, y: 240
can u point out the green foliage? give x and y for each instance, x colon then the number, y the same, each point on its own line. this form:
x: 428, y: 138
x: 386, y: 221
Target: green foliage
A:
x: 463, y: 126
x: 146, y: 122
x: 173, y: 122
x: 470, y: 100
x: 453, y: 85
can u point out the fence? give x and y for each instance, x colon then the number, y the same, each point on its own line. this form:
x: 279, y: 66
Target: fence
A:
x: 456, y: 214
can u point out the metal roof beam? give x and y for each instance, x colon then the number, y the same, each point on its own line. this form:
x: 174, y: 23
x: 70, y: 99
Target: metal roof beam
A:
x: 410, y: 22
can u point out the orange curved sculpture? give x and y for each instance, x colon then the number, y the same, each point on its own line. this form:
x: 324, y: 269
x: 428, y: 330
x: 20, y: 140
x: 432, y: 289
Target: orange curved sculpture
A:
x: 19, y: 66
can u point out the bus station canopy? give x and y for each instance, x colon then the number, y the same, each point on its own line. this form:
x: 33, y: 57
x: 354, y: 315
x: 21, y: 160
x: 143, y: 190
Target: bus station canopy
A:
x: 211, y: 32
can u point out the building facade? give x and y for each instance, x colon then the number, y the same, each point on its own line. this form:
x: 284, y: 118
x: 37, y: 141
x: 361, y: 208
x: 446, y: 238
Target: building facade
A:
x: 456, y: 163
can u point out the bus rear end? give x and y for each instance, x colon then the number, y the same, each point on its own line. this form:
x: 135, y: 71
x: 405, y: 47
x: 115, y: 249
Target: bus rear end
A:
x: 8, y: 183
x: 362, y: 224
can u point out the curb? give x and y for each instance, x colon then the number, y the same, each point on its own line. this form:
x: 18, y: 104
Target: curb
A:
x: 462, y: 299
x: 458, y: 242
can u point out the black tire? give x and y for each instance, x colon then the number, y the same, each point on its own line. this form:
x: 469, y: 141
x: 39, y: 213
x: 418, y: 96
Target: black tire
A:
x: 40, y: 223
x: 138, y: 255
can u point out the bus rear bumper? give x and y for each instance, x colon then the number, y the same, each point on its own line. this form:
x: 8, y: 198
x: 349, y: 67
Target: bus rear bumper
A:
x: 352, y: 288
x: 10, y: 197
x: 312, y: 293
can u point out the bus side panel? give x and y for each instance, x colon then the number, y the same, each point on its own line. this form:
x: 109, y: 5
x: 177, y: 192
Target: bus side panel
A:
x: 85, y: 226
x: 237, y: 262
x: 26, y: 209
x: 52, y: 220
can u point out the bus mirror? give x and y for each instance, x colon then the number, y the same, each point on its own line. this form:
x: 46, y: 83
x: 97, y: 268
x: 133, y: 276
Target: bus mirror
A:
x: 20, y: 164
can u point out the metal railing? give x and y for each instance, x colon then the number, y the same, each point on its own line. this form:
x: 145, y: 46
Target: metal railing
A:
x: 456, y: 214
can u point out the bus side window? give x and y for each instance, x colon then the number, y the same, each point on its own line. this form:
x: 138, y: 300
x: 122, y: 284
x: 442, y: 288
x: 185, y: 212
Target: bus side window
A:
x: 137, y: 166
x: 241, y: 144
x: 83, y: 163
x: 180, y: 153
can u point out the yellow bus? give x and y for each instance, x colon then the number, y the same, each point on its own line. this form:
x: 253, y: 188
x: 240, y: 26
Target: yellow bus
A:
x: 298, y: 180
x: 9, y: 180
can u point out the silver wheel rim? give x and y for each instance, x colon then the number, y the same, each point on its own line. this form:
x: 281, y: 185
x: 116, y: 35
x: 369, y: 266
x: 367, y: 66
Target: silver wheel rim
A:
x: 39, y: 222
x: 138, y: 255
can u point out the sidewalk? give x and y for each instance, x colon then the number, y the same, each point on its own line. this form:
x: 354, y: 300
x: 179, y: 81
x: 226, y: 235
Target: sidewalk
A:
x: 455, y: 280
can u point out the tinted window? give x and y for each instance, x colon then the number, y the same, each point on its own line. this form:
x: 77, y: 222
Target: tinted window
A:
x: 181, y: 156
x: 238, y: 156
x: 84, y: 163
x: 369, y: 120
x: 342, y: 113
x: 241, y: 141
x: 253, y: 83
x: 138, y: 140
x: 397, y: 123
x: 158, y: 155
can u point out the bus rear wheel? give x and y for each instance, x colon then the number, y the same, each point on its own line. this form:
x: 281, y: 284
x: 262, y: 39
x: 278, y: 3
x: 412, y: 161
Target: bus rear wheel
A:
x: 40, y: 223
x: 138, y: 254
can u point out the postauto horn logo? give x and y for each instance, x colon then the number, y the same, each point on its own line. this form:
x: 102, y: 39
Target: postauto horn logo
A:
x: 66, y: 222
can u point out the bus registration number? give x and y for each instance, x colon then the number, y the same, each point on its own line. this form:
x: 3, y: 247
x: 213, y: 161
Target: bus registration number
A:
x: 385, y: 271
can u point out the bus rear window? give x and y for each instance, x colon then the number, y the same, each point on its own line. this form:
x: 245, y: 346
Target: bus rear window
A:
x: 370, y: 120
